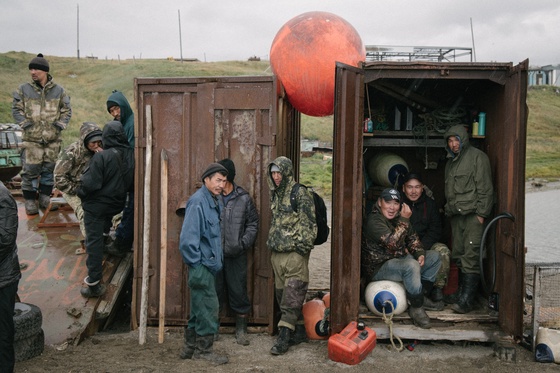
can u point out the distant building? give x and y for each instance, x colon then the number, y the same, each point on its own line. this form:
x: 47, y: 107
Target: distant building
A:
x: 544, y: 75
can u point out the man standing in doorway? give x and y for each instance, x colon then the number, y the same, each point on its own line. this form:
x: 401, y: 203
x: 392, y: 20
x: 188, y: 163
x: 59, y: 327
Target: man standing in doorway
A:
x: 290, y: 239
x: 42, y: 109
x: 200, y: 244
x: 469, y: 194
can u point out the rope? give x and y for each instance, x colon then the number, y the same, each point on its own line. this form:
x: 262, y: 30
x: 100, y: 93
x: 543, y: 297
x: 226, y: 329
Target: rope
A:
x: 324, y: 324
x: 389, y: 321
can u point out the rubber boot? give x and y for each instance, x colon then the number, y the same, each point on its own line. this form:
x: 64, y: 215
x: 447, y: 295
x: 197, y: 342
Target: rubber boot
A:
x: 204, y: 350
x: 45, y: 192
x: 299, y: 335
x: 416, y: 311
x: 430, y: 305
x: 189, y: 344
x: 31, y: 207
x: 241, y: 330
x: 93, y: 291
x: 107, y: 241
x: 116, y: 248
x: 467, y: 301
x: 30, y: 197
x: 282, y: 342
x: 437, y: 294
x: 454, y: 298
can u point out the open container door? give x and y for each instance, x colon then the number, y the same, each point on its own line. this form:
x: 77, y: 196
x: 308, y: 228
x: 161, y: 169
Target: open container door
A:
x: 346, y: 229
x: 508, y: 156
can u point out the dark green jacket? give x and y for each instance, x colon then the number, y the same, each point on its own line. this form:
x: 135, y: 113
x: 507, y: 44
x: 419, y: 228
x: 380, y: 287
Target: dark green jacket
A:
x: 468, y: 178
x: 290, y: 230
x: 127, y: 115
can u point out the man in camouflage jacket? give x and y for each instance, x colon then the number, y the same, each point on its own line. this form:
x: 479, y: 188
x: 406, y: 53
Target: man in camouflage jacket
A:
x: 72, y: 162
x: 42, y: 109
x: 391, y: 250
x: 290, y: 239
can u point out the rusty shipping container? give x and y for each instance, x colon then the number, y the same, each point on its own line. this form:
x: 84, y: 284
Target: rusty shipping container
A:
x: 201, y: 120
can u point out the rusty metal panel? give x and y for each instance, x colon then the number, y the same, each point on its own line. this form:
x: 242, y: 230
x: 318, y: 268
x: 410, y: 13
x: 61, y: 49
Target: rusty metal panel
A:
x: 347, y: 197
x: 199, y: 121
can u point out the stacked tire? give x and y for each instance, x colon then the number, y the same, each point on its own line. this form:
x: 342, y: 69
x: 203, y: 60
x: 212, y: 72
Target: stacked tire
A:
x: 29, y: 339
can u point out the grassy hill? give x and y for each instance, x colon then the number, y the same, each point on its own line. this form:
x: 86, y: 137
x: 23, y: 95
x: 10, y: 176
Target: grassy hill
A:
x: 89, y: 83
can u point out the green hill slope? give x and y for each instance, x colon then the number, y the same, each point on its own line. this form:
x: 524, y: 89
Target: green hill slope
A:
x: 89, y: 82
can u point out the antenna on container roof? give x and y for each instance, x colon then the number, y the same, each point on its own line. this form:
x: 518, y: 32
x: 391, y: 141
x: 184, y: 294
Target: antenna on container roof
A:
x: 472, y: 36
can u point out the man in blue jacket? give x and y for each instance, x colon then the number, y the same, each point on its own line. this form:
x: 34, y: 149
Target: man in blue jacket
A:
x: 200, y: 244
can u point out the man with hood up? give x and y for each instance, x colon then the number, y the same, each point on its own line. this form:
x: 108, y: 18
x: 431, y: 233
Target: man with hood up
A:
x: 290, y: 239
x: 469, y: 195
x: 120, y: 110
x: 70, y: 165
x: 104, y: 184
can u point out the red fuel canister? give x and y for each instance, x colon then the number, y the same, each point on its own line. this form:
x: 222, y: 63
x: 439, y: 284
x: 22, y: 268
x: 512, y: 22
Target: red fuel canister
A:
x: 352, y: 344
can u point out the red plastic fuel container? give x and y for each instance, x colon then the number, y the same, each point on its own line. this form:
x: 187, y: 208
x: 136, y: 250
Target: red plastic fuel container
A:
x: 352, y: 344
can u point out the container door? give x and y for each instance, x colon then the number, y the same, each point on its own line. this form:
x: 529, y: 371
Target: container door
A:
x: 509, y: 156
x: 347, y: 196
x: 198, y: 121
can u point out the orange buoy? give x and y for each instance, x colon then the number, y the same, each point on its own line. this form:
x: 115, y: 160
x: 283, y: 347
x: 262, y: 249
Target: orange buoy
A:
x: 303, y: 56
x: 313, y: 314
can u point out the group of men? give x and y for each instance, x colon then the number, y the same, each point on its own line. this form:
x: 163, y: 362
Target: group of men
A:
x: 219, y: 226
x: 95, y: 174
x: 401, y: 238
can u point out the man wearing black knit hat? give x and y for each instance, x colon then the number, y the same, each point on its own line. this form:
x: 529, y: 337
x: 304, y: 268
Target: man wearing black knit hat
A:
x: 239, y: 224
x: 42, y: 109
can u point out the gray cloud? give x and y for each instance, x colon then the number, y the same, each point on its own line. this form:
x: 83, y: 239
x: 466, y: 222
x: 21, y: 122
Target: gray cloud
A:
x: 504, y: 30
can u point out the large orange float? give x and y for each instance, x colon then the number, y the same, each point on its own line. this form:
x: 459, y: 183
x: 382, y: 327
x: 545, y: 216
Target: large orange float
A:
x: 303, y: 56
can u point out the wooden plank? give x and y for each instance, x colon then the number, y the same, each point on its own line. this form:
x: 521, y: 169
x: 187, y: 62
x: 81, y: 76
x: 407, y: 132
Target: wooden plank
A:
x: 114, y: 288
x: 452, y: 333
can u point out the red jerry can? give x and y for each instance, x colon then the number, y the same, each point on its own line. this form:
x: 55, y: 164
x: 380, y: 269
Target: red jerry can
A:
x: 352, y: 344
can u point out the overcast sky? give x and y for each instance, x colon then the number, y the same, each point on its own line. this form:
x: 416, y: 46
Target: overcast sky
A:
x: 218, y: 30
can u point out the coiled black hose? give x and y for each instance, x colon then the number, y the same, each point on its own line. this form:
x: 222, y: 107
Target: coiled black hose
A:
x: 489, y: 289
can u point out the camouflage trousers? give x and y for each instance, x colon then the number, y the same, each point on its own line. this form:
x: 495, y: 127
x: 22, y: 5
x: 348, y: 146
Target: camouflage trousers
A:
x: 291, y: 279
x: 38, y: 161
x: 76, y: 203
x: 445, y: 257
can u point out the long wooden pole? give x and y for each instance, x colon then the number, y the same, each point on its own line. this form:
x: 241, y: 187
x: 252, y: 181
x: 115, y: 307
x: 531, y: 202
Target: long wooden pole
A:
x: 163, y: 244
x: 146, y: 228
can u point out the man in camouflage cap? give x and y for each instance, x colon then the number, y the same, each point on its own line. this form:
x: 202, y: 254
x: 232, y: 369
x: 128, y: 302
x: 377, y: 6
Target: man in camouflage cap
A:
x: 290, y: 239
x: 70, y: 165
x: 42, y: 109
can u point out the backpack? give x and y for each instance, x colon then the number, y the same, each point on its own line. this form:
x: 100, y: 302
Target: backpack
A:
x: 320, y: 213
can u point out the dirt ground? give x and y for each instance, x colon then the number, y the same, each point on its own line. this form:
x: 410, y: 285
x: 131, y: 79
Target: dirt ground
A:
x: 118, y: 350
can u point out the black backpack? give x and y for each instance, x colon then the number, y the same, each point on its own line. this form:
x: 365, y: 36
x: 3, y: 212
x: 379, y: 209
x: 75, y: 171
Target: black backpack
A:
x: 323, y: 229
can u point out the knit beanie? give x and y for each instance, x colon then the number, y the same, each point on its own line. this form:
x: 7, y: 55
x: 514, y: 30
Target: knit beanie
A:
x: 39, y: 63
x: 230, y: 167
x: 213, y: 168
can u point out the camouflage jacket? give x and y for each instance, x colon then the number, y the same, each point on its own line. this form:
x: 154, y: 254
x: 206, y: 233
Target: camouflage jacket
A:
x: 73, y: 160
x: 385, y: 239
x: 42, y: 112
x: 290, y: 230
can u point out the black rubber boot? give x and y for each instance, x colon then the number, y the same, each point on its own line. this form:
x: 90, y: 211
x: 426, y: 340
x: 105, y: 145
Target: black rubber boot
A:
x: 93, y: 291
x: 107, y: 241
x: 45, y: 192
x: 299, y: 335
x: 30, y: 202
x: 241, y: 330
x: 189, y: 344
x: 467, y: 301
x: 454, y: 298
x: 437, y: 294
x: 429, y: 304
x: 416, y: 311
x: 117, y: 248
x: 204, y: 350
x: 282, y: 342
